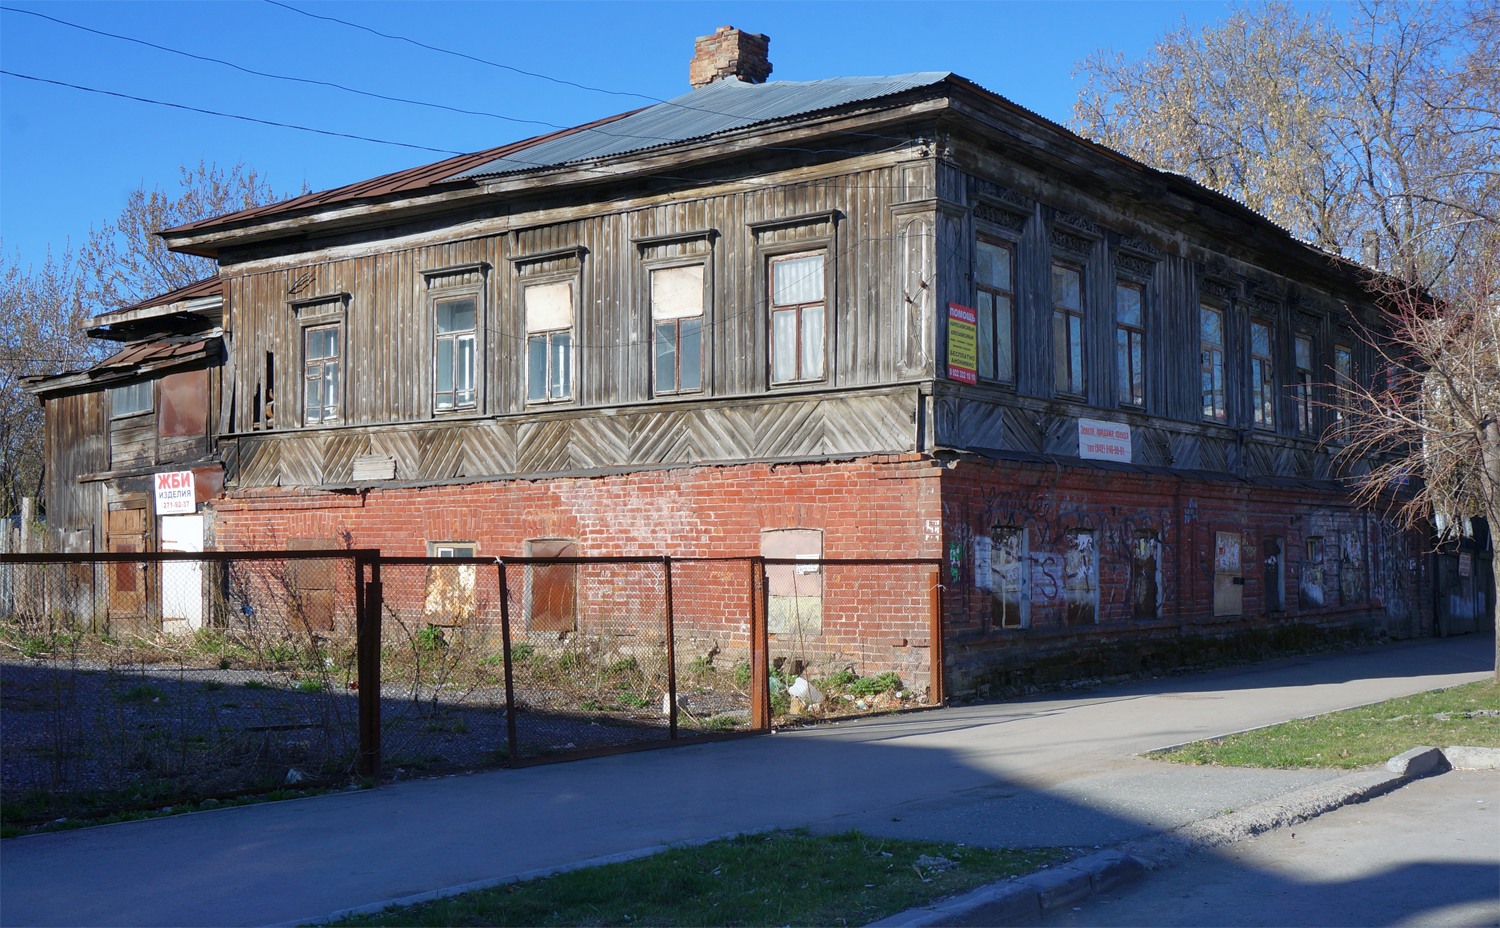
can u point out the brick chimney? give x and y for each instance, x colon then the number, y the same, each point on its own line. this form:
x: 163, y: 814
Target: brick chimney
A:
x: 730, y: 53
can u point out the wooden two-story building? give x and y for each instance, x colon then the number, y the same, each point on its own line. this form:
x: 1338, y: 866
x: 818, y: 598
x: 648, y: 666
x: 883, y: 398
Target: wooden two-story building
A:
x: 857, y: 317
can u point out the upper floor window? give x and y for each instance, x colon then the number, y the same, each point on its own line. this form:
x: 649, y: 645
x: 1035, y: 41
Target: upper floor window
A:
x: 1262, y: 376
x: 1067, y: 329
x: 1343, y: 378
x: 1303, y: 395
x: 677, y: 321
x: 994, y: 273
x: 1211, y: 361
x: 454, y: 380
x: 549, y: 341
x: 798, y: 337
x: 321, y: 353
x: 130, y: 399
x: 1130, y: 344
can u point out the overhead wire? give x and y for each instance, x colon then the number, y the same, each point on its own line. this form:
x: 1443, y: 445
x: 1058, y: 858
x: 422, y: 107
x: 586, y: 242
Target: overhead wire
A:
x: 243, y: 118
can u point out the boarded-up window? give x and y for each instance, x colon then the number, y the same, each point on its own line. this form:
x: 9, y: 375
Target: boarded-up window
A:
x: 310, y: 584
x: 1145, y: 576
x: 448, y: 599
x: 1274, y: 554
x: 184, y: 405
x: 1229, y: 583
x: 551, y: 589
x: 794, y: 591
x: 1310, y: 589
x: 1010, y: 589
x: 1080, y: 578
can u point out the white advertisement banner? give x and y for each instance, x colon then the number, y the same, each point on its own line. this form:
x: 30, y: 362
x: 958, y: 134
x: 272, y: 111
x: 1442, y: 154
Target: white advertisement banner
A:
x: 1103, y: 441
x: 174, y: 493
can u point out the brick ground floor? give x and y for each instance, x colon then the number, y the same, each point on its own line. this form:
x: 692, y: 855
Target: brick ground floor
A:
x: 1050, y: 572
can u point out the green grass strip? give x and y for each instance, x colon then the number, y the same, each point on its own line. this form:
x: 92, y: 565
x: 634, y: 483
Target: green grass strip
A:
x: 1463, y: 715
x: 778, y: 878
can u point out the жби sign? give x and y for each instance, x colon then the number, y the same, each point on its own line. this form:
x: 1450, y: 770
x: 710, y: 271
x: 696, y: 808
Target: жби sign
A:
x: 175, y: 494
x: 963, y: 344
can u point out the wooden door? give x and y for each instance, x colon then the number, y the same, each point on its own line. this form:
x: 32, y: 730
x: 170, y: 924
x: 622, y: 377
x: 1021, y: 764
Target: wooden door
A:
x: 126, y: 534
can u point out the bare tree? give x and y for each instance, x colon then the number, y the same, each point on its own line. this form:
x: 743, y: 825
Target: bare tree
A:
x: 1379, y: 141
x: 1423, y: 435
x: 42, y: 316
x: 125, y: 261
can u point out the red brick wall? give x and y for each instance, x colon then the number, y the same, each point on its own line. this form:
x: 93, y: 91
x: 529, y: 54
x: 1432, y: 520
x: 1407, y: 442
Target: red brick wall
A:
x: 1373, y: 575
x: 881, y: 507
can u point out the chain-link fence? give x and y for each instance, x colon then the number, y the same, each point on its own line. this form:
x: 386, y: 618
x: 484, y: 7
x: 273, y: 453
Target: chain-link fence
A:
x: 133, y: 681
x: 136, y: 680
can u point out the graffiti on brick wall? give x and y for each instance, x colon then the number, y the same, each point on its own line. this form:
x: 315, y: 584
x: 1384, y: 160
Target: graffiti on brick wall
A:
x: 1393, y: 573
x: 1068, y: 539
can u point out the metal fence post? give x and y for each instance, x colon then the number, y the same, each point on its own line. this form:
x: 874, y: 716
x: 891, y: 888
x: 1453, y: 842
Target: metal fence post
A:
x: 760, y: 649
x: 935, y: 641
x: 666, y: 563
x: 512, y: 742
x: 369, y: 602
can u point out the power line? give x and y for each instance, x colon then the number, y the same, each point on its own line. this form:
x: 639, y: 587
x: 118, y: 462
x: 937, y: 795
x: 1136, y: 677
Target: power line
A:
x: 280, y: 77
x: 474, y: 58
x: 263, y: 122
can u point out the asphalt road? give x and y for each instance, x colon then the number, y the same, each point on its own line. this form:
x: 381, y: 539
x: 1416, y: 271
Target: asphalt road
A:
x: 1426, y: 854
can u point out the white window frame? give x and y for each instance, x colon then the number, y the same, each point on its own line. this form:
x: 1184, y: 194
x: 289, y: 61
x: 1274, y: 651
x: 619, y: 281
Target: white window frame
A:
x: 452, y: 342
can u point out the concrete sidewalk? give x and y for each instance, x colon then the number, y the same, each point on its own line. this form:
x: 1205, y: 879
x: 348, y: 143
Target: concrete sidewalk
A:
x: 1054, y: 771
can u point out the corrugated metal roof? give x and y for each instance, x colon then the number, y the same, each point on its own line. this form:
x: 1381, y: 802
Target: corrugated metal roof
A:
x: 143, y: 353
x: 410, y: 179
x: 719, y: 107
x: 208, y: 286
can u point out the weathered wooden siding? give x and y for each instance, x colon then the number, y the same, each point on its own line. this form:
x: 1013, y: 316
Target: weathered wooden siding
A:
x: 879, y: 251
x: 1178, y: 274
x: 77, y: 442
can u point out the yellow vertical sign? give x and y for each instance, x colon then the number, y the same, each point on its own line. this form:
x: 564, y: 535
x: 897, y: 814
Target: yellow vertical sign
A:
x: 963, y: 344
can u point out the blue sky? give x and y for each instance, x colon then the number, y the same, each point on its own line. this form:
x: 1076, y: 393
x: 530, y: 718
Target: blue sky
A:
x: 69, y: 158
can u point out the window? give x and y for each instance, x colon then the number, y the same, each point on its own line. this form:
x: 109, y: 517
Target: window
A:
x: 1080, y: 578
x: 453, y: 384
x: 551, y: 590
x: 1262, y: 377
x: 131, y: 399
x: 1067, y: 329
x: 320, y: 372
x: 1130, y: 344
x: 1211, y: 363
x: 549, y: 341
x: 1010, y: 593
x: 797, y: 316
x: 794, y: 592
x: 994, y: 266
x: 1303, y: 395
x: 448, y: 599
x: 1145, y: 575
x: 1343, y: 378
x: 677, y: 319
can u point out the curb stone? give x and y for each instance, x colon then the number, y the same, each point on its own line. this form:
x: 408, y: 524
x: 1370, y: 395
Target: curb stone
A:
x: 1022, y: 900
